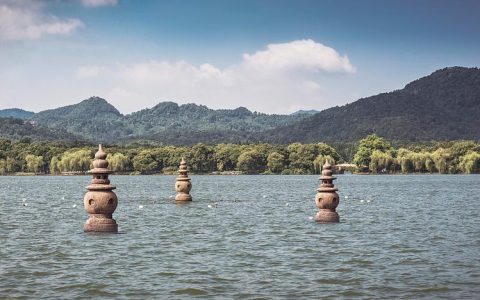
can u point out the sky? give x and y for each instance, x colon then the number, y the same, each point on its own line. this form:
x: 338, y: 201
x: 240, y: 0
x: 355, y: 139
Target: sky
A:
x: 269, y: 56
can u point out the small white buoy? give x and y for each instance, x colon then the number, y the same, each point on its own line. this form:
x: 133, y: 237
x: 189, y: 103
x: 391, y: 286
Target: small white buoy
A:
x: 361, y: 201
x: 368, y: 201
x: 170, y: 197
x: 25, y: 204
x: 63, y: 197
x: 140, y: 207
x: 264, y: 196
x: 310, y: 218
x: 287, y: 204
x: 74, y: 205
x: 346, y: 197
x: 24, y: 199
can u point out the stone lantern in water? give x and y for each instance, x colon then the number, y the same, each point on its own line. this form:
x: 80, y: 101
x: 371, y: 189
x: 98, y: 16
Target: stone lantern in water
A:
x: 100, y: 201
x: 183, y: 184
x: 327, y: 198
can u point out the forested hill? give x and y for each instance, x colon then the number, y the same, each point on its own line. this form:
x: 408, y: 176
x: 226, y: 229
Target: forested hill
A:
x: 18, y: 129
x: 93, y: 119
x: 442, y: 106
x: 96, y: 120
x: 15, y: 113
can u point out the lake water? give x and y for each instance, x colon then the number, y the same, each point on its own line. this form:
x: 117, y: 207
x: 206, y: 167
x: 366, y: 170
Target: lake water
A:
x: 399, y: 237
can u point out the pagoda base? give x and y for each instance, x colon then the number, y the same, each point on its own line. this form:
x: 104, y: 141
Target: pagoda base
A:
x: 100, y: 224
x: 327, y: 216
x: 183, y: 197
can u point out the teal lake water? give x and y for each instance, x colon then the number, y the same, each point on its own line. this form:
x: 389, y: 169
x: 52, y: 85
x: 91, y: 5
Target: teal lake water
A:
x: 412, y: 236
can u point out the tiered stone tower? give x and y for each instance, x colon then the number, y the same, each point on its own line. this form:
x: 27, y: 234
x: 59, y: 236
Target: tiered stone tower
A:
x: 100, y: 201
x: 327, y: 198
x: 183, y: 184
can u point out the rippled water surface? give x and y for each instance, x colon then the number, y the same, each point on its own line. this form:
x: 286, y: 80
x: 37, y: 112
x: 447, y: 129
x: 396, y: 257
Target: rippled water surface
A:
x: 399, y: 237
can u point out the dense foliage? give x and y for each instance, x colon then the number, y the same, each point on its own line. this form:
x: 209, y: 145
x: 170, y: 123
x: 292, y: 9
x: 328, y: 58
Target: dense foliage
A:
x: 373, y: 154
x: 17, y: 129
x: 96, y: 120
x: 377, y: 156
x: 45, y: 157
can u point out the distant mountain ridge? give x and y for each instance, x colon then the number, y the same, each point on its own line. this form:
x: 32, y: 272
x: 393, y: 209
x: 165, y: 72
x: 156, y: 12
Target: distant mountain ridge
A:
x: 16, y: 113
x: 305, y: 112
x: 444, y: 105
x: 167, y: 122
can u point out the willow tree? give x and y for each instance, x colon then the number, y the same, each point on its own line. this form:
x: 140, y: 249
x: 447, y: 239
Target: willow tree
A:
x: 34, y: 163
x: 470, y: 163
x: 118, y: 162
x: 441, y: 157
x: 380, y: 161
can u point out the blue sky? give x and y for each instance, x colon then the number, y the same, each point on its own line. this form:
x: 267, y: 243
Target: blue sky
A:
x: 269, y: 56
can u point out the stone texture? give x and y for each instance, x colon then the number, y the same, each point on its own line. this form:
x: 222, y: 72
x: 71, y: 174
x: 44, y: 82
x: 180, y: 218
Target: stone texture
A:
x: 100, y: 201
x: 327, y: 198
x: 183, y: 184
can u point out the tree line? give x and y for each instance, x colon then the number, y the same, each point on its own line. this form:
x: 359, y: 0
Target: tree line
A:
x: 55, y: 158
x: 372, y: 154
x: 377, y: 155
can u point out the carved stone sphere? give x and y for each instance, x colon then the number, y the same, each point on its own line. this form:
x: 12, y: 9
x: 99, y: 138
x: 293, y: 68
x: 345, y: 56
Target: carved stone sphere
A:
x: 183, y: 186
x: 327, y: 200
x: 100, y: 202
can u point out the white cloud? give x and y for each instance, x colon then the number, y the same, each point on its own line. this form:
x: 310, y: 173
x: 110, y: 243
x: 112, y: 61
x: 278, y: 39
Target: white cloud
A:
x: 24, y: 20
x: 280, y: 79
x: 299, y: 55
x: 97, y: 3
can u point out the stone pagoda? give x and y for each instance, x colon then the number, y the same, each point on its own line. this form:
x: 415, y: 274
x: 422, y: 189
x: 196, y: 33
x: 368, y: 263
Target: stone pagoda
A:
x: 327, y: 198
x: 100, y: 201
x: 183, y: 184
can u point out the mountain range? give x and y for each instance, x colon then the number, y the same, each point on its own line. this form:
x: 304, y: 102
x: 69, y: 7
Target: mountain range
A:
x: 442, y: 106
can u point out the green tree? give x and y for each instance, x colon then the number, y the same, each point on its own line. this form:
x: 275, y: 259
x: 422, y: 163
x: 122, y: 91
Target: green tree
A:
x: 145, y: 162
x: 11, y: 165
x: 327, y: 150
x: 54, y: 165
x: 470, y: 163
x: 441, y: 157
x: 251, y: 162
x: 301, y: 158
x: 118, y: 162
x: 275, y: 162
x: 201, y: 158
x: 367, y: 146
x: 404, y: 159
x: 226, y: 156
x: 34, y: 163
x: 3, y: 167
x: 79, y: 160
x: 381, y: 161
